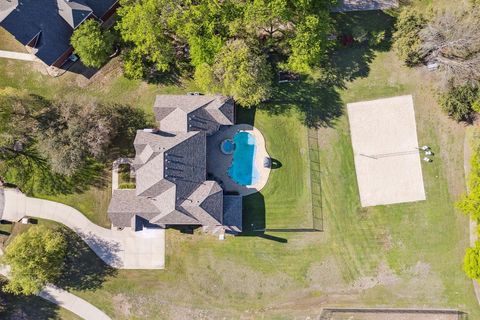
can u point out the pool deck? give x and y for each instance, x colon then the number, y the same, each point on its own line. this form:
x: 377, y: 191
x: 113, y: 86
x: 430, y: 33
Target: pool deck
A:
x: 218, y: 163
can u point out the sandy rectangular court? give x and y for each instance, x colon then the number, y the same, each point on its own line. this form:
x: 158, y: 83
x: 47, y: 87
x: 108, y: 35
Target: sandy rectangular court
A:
x: 385, y: 147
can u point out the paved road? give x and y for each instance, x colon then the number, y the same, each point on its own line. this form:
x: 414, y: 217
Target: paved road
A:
x: 124, y: 249
x: 17, y: 55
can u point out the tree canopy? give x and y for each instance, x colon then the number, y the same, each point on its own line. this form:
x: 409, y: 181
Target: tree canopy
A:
x: 240, y: 72
x: 36, y: 258
x: 459, y: 101
x: 191, y: 36
x: 70, y: 133
x: 147, y: 27
x: 407, y: 42
x: 471, y: 262
x: 92, y: 44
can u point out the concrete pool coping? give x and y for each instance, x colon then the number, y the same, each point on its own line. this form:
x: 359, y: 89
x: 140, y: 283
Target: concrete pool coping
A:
x: 218, y: 163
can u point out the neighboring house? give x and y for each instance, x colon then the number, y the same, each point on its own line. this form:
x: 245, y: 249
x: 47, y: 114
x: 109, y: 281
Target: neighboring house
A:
x: 45, y: 26
x: 171, y: 170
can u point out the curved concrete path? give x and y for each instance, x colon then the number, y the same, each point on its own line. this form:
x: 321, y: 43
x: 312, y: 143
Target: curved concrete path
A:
x: 72, y: 303
x: 123, y: 249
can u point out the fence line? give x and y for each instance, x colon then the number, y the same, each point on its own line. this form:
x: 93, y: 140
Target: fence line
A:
x: 328, y: 312
x: 315, y: 180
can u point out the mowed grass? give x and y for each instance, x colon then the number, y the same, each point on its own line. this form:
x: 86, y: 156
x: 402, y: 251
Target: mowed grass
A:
x: 406, y: 255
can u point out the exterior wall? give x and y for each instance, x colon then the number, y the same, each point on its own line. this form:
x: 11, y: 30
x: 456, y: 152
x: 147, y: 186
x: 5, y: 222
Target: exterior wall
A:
x: 61, y: 60
x: 110, y: 12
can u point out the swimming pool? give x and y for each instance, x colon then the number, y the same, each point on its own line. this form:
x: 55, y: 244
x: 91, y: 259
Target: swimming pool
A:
x: 243, y: 170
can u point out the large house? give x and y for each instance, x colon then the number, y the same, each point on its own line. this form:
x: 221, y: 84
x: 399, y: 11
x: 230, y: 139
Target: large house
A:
x: 45, y: 26
x: 171, y: 170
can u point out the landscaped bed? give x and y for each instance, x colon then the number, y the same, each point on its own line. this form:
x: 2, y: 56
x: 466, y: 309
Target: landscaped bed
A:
x: 125, y: 178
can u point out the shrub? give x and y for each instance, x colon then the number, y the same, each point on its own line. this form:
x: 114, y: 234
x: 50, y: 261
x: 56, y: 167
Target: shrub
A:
x: 406, y: 40
x: 471, y: 262
x: 127, y: 185
x: 458, y: 102
x: 92, y: 44
x: 36, y: 258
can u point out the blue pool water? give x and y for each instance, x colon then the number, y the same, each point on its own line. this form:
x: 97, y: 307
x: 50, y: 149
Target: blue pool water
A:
x: 228, y: 146
x: 242, y: 170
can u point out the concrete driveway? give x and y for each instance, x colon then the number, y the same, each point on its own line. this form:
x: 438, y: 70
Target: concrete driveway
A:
x: 124, y: 249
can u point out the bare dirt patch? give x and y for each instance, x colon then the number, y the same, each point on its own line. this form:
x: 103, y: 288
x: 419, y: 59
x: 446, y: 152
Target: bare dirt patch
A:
x: 121, y: 304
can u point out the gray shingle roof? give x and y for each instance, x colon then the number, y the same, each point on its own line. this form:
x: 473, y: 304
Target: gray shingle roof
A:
x: 193, y: 113
x: 206, y: 203
x: 232, y: 213
x: 73, y: 11
x: 45, y: 17
x: 171, y: 168
x: 176, y: 217
x: 125, y: 204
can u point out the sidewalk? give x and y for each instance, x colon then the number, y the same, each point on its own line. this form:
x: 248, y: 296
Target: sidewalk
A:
x: 17, y: 55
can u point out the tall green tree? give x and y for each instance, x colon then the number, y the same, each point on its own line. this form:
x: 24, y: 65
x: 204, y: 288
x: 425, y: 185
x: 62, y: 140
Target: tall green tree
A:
x: 206, y: 26
x: 148, y: 29
x: 36, y: 258
x: 309, y: 44
x: 269, y: 18
x: 240, y: 71
x: 92, y: 44
x: 406, y: 38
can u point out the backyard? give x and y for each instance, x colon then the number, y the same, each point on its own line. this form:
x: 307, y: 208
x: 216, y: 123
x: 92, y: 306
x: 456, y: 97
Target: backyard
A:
x: 406, y: 255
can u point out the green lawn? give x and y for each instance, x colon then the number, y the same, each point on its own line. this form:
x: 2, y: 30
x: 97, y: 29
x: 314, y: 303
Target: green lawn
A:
x: 406, y: 255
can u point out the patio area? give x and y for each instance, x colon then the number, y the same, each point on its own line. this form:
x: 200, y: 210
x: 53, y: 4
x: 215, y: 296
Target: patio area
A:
x: 218, y: 162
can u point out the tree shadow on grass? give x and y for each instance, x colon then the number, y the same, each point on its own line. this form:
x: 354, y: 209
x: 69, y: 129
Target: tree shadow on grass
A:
x: 254, y: 221
x: 83, y: 269
x: 318, y: 102
x: 26, y: 307
x: 317, y: 97
x: 128, y: 121
x: 32, y: 174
